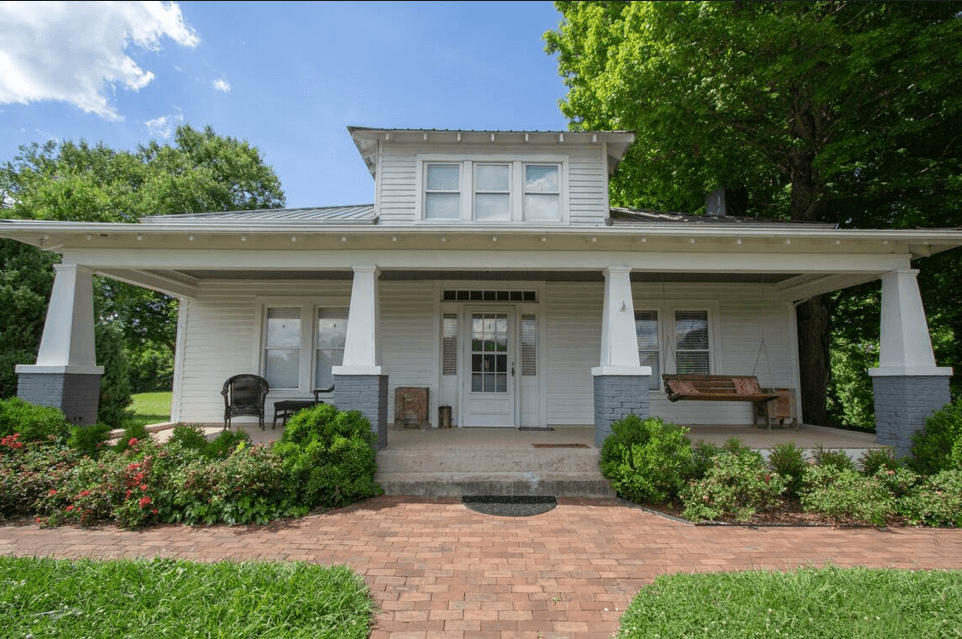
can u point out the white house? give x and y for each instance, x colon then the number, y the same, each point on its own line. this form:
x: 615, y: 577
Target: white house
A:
x: 492, y: 271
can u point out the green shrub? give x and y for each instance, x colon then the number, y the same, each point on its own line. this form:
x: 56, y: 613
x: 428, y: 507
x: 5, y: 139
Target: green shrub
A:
x: 89, y: 440
x: 702, y: 457
x: 34, y: 423
x: 648, y: 461
x: 225, y: 443
x: 837, y: 459
x: 876, y: 459
x: 190, y: 436
x: 932, y: 447
x: 936, y: 502
x: 735, y: 446
x: 329, y: 456
x: 115, y: 399
x: 28, y: 472
x: 789, y: 462
x: 845, y: 495
x: 133, y: 433
x: 737, y: 486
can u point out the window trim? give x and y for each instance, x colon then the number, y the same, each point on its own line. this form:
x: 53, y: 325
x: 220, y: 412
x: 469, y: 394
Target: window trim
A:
x: 308, y: 351
x: 468, y: 191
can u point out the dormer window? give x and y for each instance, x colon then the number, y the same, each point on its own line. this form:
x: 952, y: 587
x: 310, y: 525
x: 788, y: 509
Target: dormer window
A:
x: 442, y: 200
x: 542, y: 192
x: 492, y: 190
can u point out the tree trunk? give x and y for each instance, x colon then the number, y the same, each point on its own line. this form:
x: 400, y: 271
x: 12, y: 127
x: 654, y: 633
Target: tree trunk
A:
x: 813, y: 358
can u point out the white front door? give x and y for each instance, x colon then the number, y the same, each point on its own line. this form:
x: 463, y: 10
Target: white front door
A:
x: 489, y: 368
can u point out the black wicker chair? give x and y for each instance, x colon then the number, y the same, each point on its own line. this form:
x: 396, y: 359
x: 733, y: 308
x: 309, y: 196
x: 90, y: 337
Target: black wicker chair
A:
x: 244, y: 395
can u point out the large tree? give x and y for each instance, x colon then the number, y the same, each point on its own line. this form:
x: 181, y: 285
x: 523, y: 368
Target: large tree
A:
x: 200, y: 171
x: 840, y: 112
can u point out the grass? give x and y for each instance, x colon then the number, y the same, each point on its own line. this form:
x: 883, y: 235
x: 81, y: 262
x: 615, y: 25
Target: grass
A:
x: 151, y: 408
x: 168, y: 598
x: 828, y: 602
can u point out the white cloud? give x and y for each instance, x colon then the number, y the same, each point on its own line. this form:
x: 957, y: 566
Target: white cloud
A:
x: 163, y: 126
x: 222, y: 85
x: 75, y: 51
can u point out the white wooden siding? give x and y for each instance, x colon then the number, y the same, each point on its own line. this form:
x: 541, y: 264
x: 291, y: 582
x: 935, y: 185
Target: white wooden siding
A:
x: 409, y: 335
x: 221, y: 339
x: 587, y: 178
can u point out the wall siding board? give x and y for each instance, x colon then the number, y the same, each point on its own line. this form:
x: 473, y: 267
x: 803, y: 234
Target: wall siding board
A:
x: 221, y: 340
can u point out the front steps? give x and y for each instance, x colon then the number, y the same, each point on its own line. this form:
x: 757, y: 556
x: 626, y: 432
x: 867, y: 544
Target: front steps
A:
x: 493, y: 462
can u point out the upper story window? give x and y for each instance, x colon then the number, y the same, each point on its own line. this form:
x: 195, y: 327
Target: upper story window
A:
x: 442, y: 194
x: 492, y: 191
x: 542, y: 192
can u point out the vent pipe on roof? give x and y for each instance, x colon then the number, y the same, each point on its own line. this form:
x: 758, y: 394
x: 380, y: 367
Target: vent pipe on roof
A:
x: 726, y: 201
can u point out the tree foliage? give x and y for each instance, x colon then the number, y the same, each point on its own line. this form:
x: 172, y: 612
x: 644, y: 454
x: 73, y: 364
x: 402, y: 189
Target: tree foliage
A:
x: 842, y: 112
x: 76, y: 181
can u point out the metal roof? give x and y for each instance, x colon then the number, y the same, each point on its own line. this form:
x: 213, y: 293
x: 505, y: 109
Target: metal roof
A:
x: 629, y: 217
x: 358, y: 214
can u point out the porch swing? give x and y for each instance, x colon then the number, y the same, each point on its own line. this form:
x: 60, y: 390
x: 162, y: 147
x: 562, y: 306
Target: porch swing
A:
x: 724, y: 388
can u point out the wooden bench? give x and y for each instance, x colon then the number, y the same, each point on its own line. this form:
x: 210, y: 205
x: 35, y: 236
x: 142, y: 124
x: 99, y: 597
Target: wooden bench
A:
x: 719, y: 388
x: 286, y: 408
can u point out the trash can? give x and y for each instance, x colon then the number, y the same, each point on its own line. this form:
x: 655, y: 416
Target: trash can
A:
x: 444, y: 417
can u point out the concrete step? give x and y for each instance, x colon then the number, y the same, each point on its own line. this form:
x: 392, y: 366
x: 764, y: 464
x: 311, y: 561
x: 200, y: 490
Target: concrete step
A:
x: 522, y: 459
x: 444, y: 484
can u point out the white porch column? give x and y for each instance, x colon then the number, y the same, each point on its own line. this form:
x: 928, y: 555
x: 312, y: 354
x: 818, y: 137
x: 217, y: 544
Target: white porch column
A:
x: 361, y: 383
x: 66, y: 374
x: 908, y: 385
x: 620, y: 382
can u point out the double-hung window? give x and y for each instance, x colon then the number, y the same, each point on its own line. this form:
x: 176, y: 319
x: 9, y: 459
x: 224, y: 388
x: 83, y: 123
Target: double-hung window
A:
x: 492, y: 190
x: 442, y: 196
x: 300, y: 343
x: 682, y: 346
x: 542, y: 192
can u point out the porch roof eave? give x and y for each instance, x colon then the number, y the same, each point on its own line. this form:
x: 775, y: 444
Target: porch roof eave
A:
x: 56, y: 235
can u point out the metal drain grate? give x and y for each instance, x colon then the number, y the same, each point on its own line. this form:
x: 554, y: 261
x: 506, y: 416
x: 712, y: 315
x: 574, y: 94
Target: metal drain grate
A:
x: 516, y: 506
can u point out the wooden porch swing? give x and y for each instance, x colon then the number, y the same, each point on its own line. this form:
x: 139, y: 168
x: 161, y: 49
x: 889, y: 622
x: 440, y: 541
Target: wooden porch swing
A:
x: 732, y: 388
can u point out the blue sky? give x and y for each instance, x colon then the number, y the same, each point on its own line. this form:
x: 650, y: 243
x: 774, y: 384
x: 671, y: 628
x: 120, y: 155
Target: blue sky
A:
x: 287, y: 77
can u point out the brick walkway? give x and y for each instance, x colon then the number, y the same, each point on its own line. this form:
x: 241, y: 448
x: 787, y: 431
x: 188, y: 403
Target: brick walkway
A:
x: 439, y: 570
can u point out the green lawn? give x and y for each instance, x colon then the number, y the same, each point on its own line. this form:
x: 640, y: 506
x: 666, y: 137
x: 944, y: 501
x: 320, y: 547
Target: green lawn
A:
x: 828, y: 602
x: 168, y: 598
x: 151, y: 408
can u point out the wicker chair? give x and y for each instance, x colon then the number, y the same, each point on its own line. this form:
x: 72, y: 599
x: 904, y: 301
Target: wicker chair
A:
x: 244, y: 395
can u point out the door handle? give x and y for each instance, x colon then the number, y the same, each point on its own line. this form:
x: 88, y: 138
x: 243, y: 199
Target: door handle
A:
x: 512, y: 369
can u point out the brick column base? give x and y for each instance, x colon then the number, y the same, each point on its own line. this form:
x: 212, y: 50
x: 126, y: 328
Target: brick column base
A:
x: 367, y: 394
x: 616, y: 397
x: 76, y: 394
x: 903, y: 403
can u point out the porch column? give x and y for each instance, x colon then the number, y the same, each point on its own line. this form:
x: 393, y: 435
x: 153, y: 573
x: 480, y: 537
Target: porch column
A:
x: 620, y: 382
x: 66, y: 375
x: 908, y: 386
x: 360, y: 381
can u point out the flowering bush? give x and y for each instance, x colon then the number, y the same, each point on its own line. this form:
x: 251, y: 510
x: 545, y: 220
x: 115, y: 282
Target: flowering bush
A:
x: 738, y: 485
x: 846, y: 495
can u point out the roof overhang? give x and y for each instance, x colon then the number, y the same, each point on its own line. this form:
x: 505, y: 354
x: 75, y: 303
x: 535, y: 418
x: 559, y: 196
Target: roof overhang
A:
x: 795, y: 262
x: 369, y: 139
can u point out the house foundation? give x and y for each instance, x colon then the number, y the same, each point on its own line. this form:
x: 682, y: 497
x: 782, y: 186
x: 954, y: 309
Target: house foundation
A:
x: 367, y: 394
x: 76, y: 394
x: 903, y: 403
x: 616, y: 397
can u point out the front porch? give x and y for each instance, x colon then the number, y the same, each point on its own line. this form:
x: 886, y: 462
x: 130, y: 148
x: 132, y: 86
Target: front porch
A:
x: 561, y: 463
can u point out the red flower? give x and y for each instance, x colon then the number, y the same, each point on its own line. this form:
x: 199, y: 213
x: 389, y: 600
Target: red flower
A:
x: 52, y: 492
x: 69, y: 508
x: 132, y: 442
x: 84, y: 493
x: 144, y: 501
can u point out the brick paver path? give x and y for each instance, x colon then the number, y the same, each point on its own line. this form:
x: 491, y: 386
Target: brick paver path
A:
x: 439, y: 570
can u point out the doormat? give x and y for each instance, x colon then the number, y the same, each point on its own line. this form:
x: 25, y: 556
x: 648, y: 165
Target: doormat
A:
x: 560, y: 445
x: 538, y: 428
x: 514, y: 506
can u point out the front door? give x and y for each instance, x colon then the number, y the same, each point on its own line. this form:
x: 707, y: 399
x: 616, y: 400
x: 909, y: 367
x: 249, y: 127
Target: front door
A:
x: 489, y: 362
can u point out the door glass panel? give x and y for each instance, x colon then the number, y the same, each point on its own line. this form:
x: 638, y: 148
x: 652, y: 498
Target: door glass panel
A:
x: 489, y: 358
